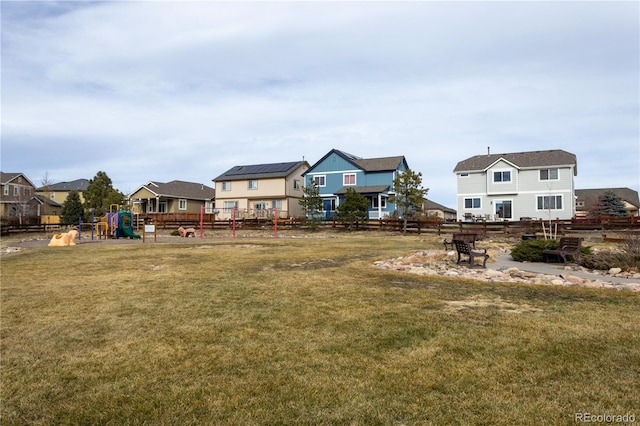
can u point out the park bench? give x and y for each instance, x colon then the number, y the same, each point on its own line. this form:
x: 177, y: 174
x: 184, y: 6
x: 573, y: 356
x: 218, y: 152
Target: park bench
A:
x: 461, y: 236
x: 463, y: 247
x: 567, y: 246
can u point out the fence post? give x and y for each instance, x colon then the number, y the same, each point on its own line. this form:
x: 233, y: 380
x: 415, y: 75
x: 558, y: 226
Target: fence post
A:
x: 275, y: 223
x: 233, y: 226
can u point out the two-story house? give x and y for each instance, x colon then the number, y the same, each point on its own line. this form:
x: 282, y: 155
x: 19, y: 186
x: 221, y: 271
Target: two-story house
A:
x: 18, y: 202
x: 59, y: 192
x: 261, y: 190
x: 373, y: 177
x: 536, y: 184
x: 52, y: 197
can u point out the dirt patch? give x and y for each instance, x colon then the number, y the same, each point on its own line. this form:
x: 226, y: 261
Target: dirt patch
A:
x: 483, y: 302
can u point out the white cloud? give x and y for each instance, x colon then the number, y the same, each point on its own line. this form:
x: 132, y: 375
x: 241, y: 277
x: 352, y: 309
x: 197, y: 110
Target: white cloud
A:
x: 173, y: 90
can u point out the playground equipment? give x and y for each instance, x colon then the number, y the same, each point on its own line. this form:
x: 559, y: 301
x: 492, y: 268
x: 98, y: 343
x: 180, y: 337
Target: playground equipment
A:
x: 115, y: 224
x: 64, y: 239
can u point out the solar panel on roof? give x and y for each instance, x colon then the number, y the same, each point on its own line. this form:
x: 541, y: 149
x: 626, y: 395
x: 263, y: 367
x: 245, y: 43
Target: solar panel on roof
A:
x: 260, y: 169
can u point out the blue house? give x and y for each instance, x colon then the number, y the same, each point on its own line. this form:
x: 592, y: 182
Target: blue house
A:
x: 373, y: 177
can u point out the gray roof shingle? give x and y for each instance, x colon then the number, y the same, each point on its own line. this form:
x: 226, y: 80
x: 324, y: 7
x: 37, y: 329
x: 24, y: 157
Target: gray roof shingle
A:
x: 181, y: 189
x: 531, y: 159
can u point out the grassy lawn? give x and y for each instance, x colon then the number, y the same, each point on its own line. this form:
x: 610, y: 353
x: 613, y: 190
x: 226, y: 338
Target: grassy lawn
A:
x: 300, y: 331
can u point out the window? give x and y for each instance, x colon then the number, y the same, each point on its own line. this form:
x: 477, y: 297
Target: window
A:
x: 472, y: 203
x: 16, y: 191
x: 52, y: 195
x: 162, y: 207
x: 253, y: 184
x: 383, y: 202
x: 549, y: 174
x: 182, y: 204
x: 6, y: 190
x: 550, y: 202
x: 320, y: 180
x: 296, y: 184
x: 349, y: 179
x: 464, y: 175
x: 229, y: 206
x: 504, y: 176
x: 226, y: 186
x: 276, y: 204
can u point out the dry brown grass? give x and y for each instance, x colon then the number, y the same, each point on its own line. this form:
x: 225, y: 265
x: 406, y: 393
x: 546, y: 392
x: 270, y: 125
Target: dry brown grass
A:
x: 300, y: 331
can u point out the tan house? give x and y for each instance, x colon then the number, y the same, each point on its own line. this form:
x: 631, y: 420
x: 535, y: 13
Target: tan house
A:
x: 261, y: 190
x: 172, y: 197
x: 53, y: 196
x: 587, y: 200
x: 18, y: 203
x: 433, y: 209
x: 59, y: 192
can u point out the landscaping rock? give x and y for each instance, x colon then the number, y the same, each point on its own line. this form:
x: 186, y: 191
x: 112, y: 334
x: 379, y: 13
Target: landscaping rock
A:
x: 437, y: 262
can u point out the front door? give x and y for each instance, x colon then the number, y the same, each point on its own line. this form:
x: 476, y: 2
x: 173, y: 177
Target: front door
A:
x: 327, y: 208
x: 504, y: 210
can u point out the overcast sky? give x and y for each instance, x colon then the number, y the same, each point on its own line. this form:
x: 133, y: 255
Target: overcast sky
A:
x: 157, y: 91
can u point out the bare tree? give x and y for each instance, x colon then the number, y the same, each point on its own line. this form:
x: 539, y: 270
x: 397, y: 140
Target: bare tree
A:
x: 46, y: 187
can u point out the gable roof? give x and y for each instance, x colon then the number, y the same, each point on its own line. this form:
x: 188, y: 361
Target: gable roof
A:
x: 180, y: 189
x: 592, y: 195
x: 523, y: 160
x: 6, y: 178
x: 381, y: 164
x: 74, y: 185
x: 44, y: 200
x: 432, y: 205
x: 261, y: 171
x: 374, y: 189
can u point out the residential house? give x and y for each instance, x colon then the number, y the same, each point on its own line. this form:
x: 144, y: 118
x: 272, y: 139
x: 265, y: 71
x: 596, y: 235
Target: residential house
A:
x: 513, y: 186
x: 172, y: 197
x: 17, y: 201
x: 59, y: 192
x: 260, y: 190
x: 338, y: 171
x: 51, y: 198
x: 433, y: 209
x: 587, y: 200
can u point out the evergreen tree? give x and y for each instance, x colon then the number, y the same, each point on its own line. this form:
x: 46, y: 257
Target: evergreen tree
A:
x: 100, y: 194
x: 354, y: 208
x: 71, y: 209
x: 311, y: 204
x: 612, y: 205
x: 409, y: 195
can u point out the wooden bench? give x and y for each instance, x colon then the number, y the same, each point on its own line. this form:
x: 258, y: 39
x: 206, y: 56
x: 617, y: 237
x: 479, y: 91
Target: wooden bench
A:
x: 463, y: 247
x: 461, y: 236
x: 567, y: 246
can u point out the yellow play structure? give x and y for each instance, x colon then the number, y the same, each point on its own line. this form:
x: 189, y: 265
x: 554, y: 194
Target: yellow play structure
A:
x: 64, y: 239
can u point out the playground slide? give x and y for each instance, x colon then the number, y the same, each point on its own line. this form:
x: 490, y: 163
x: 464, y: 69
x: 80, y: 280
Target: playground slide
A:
x: 127, y: 232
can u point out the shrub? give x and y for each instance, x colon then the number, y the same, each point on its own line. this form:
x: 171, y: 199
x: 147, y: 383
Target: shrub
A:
x: 605, y: 260
x: 531, y: 250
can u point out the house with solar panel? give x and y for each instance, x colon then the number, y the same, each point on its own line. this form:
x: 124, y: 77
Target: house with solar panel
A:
x: 373, y: 178
x: 517, y: 186
x: 261, y: 191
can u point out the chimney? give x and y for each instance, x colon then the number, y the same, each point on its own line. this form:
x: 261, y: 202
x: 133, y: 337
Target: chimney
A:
x: 488, y: 151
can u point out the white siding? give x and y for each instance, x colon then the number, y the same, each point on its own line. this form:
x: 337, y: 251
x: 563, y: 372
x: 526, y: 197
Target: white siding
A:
x: 523, y: 192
